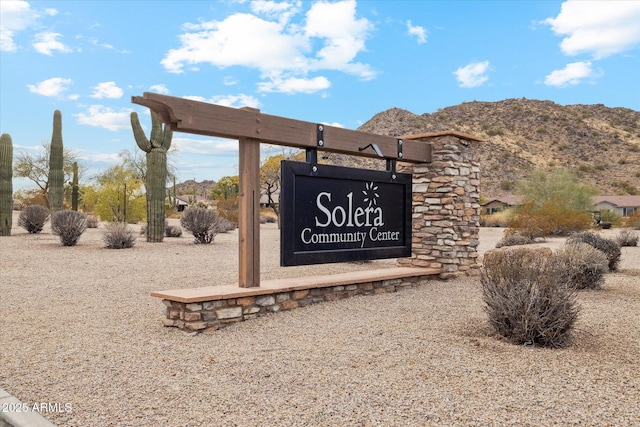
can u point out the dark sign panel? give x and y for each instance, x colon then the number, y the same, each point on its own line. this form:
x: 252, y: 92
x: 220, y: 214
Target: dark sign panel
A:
x: 337, y: 214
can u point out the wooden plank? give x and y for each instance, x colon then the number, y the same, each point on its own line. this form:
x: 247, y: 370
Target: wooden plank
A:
x: 249, y: 214
x: 185, y: 115
x: 214, y: 293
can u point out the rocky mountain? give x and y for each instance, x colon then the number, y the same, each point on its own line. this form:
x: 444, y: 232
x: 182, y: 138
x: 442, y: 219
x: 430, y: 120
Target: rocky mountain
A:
x: 601, y: 144
x: 203, y: 189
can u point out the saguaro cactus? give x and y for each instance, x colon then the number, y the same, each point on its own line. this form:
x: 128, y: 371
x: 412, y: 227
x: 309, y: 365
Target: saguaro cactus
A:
x: 156, y: 148
x: 74, y: 188
x: 56, y: 172
x: 6, y: 184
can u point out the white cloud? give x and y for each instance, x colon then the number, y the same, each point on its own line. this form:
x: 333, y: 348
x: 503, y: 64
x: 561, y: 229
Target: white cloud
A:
x: 229, y: 81
x: 105, y: 117
x: 343, y: 35
x: 109, y: 158
x: 571, y: 75
x: 216, y: 146
x: 295, y: 85
x: 51, y: 12
x: 277, y: 47
x: 47, y: 42
x: 281, y: 11
x: 334, y: 124
x: 53, y: 87
x: 15, y: 16
x: 235, y: 101
x: 161, y: 88
x: 107, y: 90
x: 473, y: 74
x: 419, y: 32
x: 599, y: 28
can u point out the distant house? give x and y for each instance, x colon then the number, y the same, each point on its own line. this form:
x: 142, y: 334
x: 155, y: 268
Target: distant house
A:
x: 622, y: 205
x: 501, y: 203
x: 184, y: 200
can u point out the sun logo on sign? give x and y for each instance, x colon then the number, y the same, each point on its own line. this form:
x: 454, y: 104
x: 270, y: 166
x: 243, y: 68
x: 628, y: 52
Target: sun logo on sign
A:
x: 370, y: 195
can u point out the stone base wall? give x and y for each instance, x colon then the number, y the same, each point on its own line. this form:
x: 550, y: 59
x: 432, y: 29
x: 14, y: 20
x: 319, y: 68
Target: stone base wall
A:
x: 446, y: 209
x: 217, y: 314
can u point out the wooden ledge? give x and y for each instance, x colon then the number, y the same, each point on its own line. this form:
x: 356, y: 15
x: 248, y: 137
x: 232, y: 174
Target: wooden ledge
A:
x: 267, y: 287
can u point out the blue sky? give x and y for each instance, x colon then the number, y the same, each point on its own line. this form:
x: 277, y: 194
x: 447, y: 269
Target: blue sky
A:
x: 331, y: 62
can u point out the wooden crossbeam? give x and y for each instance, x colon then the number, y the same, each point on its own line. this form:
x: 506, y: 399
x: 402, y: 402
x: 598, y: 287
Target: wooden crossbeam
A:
x: 186, y: 115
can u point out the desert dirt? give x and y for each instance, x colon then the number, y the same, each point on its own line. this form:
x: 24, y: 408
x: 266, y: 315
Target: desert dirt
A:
x: 78, y: 327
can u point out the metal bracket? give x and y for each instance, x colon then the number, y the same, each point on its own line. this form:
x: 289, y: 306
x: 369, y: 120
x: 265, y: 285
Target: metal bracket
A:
x: 312, y: 159
x: 391, y: 165
x: 320, y: 135
x: 399, y: 148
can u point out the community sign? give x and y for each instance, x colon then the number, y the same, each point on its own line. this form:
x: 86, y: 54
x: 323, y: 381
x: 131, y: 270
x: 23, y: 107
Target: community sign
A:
x: 337, y: 214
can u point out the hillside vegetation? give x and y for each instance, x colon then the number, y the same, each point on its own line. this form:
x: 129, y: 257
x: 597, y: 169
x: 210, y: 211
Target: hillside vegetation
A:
x: 601, y: 144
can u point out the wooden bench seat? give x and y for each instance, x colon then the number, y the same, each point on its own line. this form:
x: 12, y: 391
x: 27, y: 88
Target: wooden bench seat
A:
x: 267, y: 287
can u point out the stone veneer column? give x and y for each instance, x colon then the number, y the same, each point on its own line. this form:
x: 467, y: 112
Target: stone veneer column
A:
x: 446, y: 209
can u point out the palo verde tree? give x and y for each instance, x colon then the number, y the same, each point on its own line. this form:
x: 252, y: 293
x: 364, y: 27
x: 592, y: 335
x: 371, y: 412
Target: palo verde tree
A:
x: 6, y: 184
x: 555, y: 203
x: 56, y: 171
x: 117, y: 195
x: 156, y: 148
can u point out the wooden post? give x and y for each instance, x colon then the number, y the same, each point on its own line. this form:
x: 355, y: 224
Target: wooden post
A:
x: 249, y: 213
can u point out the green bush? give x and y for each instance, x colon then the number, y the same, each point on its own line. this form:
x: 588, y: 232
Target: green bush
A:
x: 525, y: 297
x: 33, y: 218
x: 584, y: 265
x: 118, y: 235
x: 69, y: 226
x: 609, y: 247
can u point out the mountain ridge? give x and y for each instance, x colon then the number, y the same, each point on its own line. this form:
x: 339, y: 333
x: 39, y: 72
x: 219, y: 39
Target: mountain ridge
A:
x: 602, y: 144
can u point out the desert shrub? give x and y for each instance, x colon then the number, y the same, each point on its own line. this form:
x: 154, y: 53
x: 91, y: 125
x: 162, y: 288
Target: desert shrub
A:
x: 552, y: 218
x: 584, y: 265
x: 265, y: 219
x: 33, y: 218
x: 633, y: 220
x: 92, y: 221
x: 226, y: 225
x: 627, y: 237
x: 172, y: 231
x: 513, y: 240
x: 228, y: 208
x: 118, y: 235
x: 69, y: 226
x: 498, y: 219
x: 610, y: 247
x: 203, y: 223
x: 525, y: 297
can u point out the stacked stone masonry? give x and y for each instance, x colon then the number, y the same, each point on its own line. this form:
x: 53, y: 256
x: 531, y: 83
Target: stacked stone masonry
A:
x: 446, y: 209
x: 217, y: 314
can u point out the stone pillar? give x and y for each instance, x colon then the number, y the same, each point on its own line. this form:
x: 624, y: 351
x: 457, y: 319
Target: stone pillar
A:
x: 446, y: 209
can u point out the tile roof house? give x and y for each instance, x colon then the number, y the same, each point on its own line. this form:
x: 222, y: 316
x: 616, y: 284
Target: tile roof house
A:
x: 501, y: 203
x: 622, y: 205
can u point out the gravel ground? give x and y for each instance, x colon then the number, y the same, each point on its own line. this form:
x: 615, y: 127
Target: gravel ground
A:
x: 78, y: 327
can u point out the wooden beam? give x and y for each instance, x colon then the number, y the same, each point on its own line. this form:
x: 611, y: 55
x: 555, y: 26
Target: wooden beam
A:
x: 249, y: 214
x: 185, y: 115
